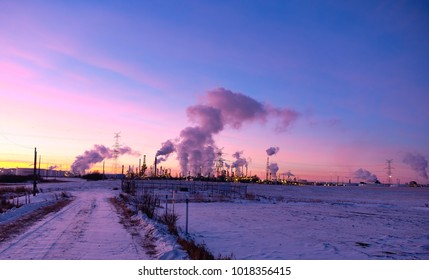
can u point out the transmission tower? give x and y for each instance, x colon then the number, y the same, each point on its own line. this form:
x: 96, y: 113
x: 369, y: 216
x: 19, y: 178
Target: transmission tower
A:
x: 389, y: 171
x: 116, y: 152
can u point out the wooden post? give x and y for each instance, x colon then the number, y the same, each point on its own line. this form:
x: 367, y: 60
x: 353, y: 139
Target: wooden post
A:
x: 173, y: 200
x: 35, y: 173
x: 187, y: 207
x: 166, y: 206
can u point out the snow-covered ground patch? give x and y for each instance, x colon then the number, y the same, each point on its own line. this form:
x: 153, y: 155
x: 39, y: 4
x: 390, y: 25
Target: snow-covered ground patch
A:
x: 277, y: 222
x: 315, y: 223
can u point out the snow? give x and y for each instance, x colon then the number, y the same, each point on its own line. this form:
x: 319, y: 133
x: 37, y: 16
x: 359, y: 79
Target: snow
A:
x: 280, y: 222
x: 88, y: 228
x: 312, y: 222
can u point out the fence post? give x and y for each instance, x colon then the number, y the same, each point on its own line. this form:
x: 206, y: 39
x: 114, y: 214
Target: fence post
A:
x: 187, y: 206
x: 173, y: 201
x: 166, y: 205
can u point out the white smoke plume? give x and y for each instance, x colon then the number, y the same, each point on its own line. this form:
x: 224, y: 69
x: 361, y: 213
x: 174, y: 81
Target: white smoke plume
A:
x: 273, y: 167
x: 365, y: 175
x: 418, y: 163
x: 272, y: 151
x: 288, y: 174
x: 97, y: 154
x: 165, y: 151
x: 220, y: 108
x: 239, y: 163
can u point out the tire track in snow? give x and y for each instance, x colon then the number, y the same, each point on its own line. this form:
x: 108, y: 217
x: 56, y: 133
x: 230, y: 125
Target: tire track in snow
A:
x: 32, y: 232
x: 88, y: 228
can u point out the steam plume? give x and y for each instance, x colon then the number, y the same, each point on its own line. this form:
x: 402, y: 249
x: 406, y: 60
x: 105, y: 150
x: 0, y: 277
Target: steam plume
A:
x: 166, y: 149
x: 418, y: 163
x: 239, y: 162
x: 365, y: 175
x: 272, y: 151
x: 52, y: 167
x: 273, y: 167
x: 97, y: 154
x: 288, y: 174
x: 220, y: 108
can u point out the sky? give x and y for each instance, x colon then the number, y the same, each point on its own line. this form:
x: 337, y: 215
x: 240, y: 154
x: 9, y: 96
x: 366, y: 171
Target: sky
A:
x: 352, y: 77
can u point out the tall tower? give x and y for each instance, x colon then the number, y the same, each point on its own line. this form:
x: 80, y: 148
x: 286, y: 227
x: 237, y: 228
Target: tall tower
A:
x: 389, y: 171
x: 116, y: 152
x: 144, y: 167
x: 268, y: 167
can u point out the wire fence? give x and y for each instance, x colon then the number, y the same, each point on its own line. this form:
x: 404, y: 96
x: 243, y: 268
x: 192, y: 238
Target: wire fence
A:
x: 179, y: 191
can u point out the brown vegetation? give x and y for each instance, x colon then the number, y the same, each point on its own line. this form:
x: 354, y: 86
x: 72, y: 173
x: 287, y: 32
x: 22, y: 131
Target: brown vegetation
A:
x: 19, y: 225
x: 134, y: 226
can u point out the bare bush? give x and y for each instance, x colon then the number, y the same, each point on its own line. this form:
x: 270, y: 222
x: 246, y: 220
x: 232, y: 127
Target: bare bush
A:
x: 170, y: 219
x: 148, y: 204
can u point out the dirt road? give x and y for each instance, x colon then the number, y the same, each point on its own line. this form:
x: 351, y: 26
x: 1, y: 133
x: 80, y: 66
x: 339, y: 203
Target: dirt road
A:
x: 88, y: 228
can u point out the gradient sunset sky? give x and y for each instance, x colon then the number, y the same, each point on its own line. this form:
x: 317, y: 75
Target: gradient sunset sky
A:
x: 72, y: 73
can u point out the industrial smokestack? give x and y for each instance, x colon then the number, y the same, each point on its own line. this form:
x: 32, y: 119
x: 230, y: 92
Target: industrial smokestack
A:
x: 156, y: 161
x: 268, y: 168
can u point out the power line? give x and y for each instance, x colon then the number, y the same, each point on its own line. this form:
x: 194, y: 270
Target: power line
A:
x: 13, y: 142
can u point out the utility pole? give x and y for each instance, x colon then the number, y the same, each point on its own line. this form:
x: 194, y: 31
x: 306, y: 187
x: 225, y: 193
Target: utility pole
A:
x: 35, y: 173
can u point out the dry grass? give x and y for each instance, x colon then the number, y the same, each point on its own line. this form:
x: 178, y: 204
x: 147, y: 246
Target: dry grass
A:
x: 134, y: 227
x: 199, y: 251
x: 19, y: 225
x: 195, y: 251
x: 148, y: 206
x: 19, y: 190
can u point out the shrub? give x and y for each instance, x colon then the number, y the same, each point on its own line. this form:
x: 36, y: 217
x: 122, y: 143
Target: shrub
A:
x: 170, y: 219
x: 148, y: 205
x: 194, y: 250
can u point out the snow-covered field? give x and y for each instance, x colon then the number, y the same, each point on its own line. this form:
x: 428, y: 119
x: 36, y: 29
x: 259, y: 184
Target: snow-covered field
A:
x: 315, y: 223
x: 280, y: 222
